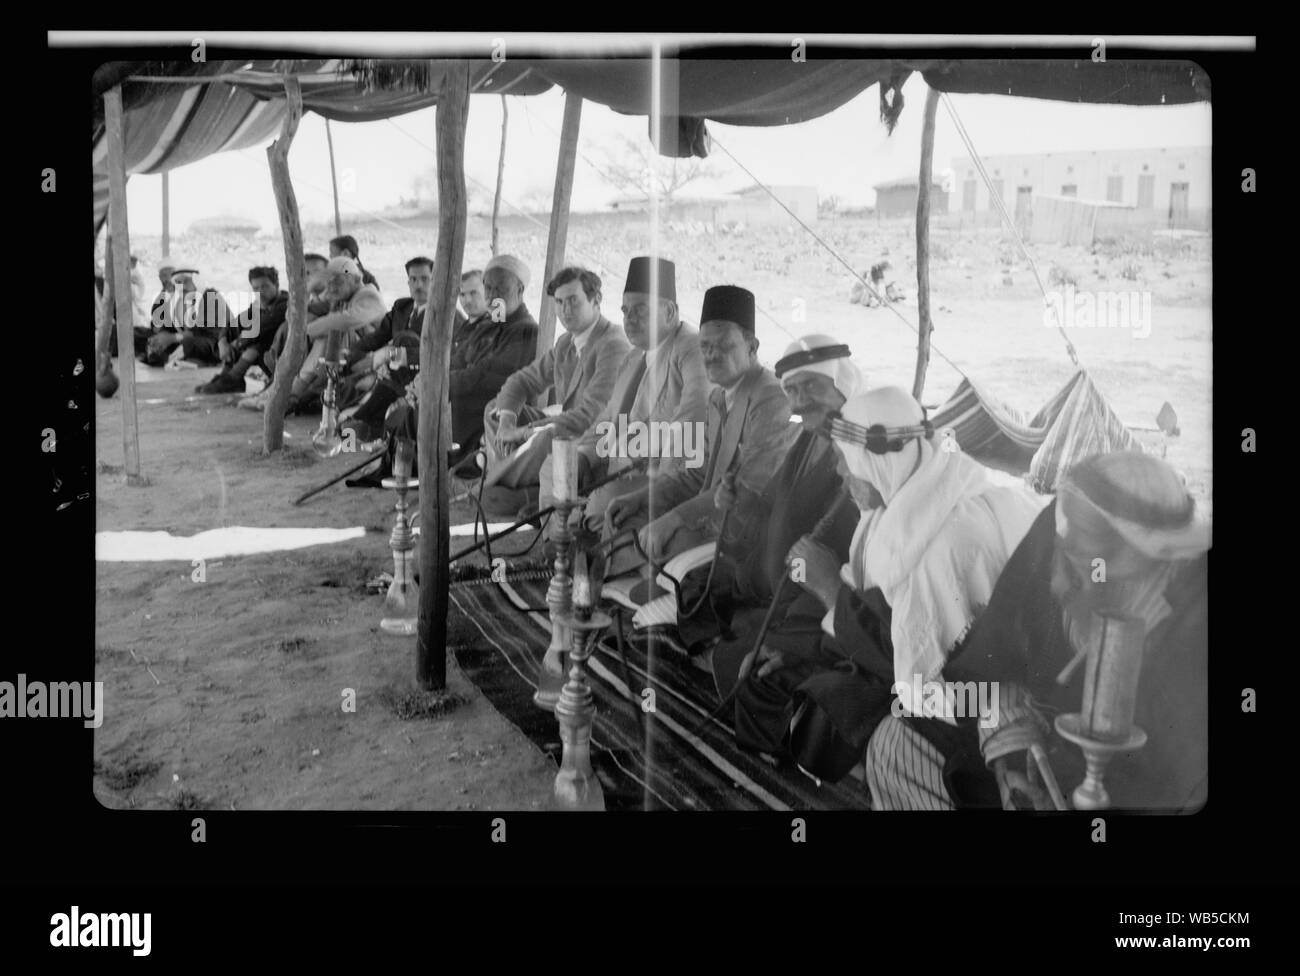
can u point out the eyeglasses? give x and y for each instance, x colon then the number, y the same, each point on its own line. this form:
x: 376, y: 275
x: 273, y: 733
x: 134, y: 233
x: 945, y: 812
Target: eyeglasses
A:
x: 878, y: 439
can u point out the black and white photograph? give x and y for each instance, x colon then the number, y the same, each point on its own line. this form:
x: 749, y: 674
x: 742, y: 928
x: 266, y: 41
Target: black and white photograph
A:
x: 507, y: 424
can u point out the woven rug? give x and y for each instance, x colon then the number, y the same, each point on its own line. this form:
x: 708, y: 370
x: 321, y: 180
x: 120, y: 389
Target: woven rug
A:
x: 645, y: 760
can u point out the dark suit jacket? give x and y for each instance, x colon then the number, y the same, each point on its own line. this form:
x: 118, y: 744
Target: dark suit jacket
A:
x: 487, y: 358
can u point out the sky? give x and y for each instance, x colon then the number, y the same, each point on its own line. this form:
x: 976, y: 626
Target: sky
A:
x: 842, y: 153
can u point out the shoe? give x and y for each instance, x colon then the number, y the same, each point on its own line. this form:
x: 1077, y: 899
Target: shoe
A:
x: 375, y: 479
x: 222, y: 383
x: 529, y: 515
x: 467, y: 470
x: 256, y: 401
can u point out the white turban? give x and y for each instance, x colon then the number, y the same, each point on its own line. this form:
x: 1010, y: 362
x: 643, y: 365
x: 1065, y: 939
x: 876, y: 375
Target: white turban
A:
x: 848, y: 379
x: 508, y: 262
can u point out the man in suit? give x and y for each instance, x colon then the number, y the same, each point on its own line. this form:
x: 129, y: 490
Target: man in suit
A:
x: 579, y: 374
x: 502, y: 341
x: 368, y: 360
x: 660, y: 382
x: 747, y: 435
x: 258, y: 326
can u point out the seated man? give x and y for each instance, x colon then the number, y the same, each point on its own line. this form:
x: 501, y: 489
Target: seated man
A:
x: 257, y: 327
x: 931, y: 541
x: 1041, y: 634
x: 346, y: 246
x: 661, y: 382
x: 747, y: 434
x: 368, y: 356
x: 202, y: 326
x: 353, y: 306
x: 502, y: 341
x: 806, y: 495
x: 158, y: 316
x: 578, y: 372
x: 473, y: 306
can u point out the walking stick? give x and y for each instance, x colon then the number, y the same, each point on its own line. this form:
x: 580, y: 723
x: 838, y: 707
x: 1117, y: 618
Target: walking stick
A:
x: 753, y: 669
x: 369, y: 459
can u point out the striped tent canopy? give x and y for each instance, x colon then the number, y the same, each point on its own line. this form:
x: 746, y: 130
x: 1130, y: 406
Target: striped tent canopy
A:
x: 1074, y: 424
x: 237, y: 104
x: 224, y: 105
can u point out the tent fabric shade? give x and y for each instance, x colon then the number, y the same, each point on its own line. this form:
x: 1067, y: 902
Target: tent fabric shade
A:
x: 1074, y: 424
x: 1124, y: 82
x: 170, y: 125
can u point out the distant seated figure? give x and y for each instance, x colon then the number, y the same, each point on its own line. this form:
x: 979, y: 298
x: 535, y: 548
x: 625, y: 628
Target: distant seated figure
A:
x: 145, y: 321
x: 493, y: 345
x: 1043, y: 631
x: 576, y: 374
x: 345, y: 246
x: 353, y: 306
x: 368, y: 359
x: 747, y: 433
x: 202, y: 327
x: 258, y: 326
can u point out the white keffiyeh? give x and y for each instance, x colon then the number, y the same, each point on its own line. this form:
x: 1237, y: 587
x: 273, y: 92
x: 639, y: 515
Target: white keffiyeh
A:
x: 937, y: 547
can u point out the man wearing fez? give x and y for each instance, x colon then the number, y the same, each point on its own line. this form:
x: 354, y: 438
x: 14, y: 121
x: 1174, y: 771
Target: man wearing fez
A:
x: 662, y: 380
x: 806, y: 502
x: 747, y: 434
x: 579, y: 374
x: 1042, y: 631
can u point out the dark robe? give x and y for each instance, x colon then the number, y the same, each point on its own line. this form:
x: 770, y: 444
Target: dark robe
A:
x: 480, y: 364
x: 1021, y: 639
x: 805, y: 496
x: 269, y: 319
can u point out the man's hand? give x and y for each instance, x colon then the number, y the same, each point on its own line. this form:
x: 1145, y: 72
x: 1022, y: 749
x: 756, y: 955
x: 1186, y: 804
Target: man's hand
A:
x: 620, y: 509
x: 769, y: 660
x: 508, y: 433
x: 223, y: 349
x: 816, y: 569
x: 656, y: 536
x: 724, y: 496
x: 1020, y: 790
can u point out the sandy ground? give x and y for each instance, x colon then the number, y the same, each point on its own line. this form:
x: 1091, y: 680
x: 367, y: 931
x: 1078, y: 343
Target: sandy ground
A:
x: 243, y: 704
x: 228, y: 693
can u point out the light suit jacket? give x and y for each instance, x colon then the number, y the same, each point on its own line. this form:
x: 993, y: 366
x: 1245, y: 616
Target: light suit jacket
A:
x: 581, y: 386
x: 679, y: 395
x: 754, y: 440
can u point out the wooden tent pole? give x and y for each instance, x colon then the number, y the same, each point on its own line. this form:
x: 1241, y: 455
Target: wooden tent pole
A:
x: 559, y: 215
x: 501, y: 172
x: 286, y: 203
x: 166, y: 217
x: 334, y: 182
x: 434, y: 437
x: 103, y: 335
x: 120, y: 260
x: 925, y: 325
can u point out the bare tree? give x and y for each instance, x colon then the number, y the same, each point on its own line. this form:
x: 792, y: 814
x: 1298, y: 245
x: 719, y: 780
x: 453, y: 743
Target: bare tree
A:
x: 636, y: 168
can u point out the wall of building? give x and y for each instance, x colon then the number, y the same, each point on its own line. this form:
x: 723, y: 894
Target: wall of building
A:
x: 1142, y: 179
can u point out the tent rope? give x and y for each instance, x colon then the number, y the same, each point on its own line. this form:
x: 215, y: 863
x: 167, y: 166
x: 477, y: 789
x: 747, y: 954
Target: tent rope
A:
x: 836, y: 255
x: 1002, y: 209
